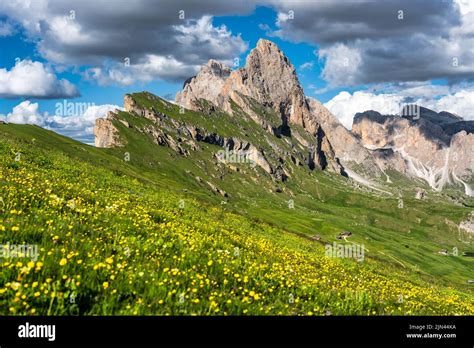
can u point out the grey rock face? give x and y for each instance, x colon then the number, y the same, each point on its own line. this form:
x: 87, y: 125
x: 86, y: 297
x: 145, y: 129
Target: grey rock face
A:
x: 468, y: 224
x: 269, y: 78
x: 426, y: 146
x: 105, y: 133
x: 207, y: 85
x: 344, y: 144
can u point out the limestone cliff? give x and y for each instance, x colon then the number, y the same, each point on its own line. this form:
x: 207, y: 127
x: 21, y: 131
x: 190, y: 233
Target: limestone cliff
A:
x: 425, y: 144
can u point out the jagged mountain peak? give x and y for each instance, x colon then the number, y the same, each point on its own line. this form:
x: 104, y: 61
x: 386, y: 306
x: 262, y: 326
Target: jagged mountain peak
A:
x: 423, y: 117
x: 215, y: 68
x: 268, y: 56
x: 268, y: 77
x: 207, y: 84
x: 212, y: 67
x: 264, y: 44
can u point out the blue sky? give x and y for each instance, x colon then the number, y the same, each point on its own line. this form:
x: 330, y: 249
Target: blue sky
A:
x: 349, y: 56
x: 18, y: 46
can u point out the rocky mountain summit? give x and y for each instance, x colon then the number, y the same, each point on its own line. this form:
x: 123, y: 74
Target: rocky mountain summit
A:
x: 209, y: 82
x: 269, y: 79
x: 279, y: 129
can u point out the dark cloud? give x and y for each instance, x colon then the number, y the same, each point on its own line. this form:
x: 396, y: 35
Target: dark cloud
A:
x: 93, y: 31
x: 328, y: 22
x: 417, y: 58
x: 360, y: 41
x: 382, y: 41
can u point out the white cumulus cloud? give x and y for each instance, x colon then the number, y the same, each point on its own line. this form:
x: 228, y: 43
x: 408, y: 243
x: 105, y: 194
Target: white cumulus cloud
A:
x: 306, y: 66
x: 25, y: 113
x: 460, y: 103
x: 153, y: 67
x: 169, y: 40
x: 345, y: 105
x: 34, y: 80
x: 79, y: 126
x: 66, y: 121
x: 383, y: 41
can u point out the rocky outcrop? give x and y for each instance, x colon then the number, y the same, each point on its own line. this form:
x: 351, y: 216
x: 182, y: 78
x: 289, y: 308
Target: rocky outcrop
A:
x: 207, y: 85
x: 216, y: 189
x: 420, y: 193
x: 105, y: 133
x: 468, y: 224
x: 235, y: 146
x: 269, y: 78
x: 341, y: 143
x: 168, y: 132
x: 131, y: 106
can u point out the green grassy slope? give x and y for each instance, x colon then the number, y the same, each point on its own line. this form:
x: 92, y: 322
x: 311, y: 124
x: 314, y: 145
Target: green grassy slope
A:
x: 145, y: 237
x: 324, y: 203
x: 114, y: 244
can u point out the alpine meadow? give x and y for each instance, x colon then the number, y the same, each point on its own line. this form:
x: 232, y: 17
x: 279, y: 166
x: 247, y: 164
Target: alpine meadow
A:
x: 238, y: 163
